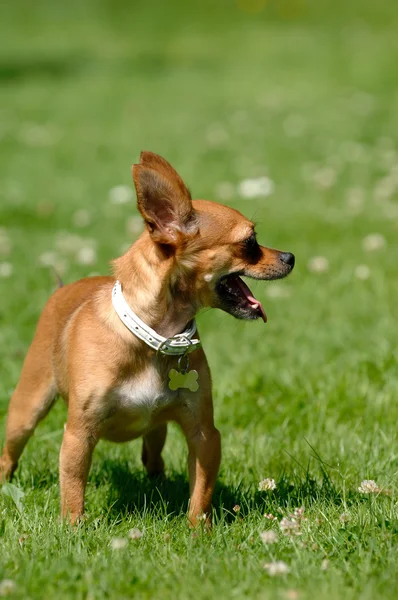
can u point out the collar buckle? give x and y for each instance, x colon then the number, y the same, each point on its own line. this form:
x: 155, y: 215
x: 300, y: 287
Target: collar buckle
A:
x: 179, y: 344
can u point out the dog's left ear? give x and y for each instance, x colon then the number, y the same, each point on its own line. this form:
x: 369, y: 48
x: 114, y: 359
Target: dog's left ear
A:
x: 163, y: 200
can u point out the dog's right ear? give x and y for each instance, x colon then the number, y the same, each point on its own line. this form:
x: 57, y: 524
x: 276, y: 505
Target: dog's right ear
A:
x: 163, y: 200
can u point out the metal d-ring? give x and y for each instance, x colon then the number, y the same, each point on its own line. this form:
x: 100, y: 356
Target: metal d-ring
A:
x: 178, y: 337
x: 159, y: 350
x: 183, y: 363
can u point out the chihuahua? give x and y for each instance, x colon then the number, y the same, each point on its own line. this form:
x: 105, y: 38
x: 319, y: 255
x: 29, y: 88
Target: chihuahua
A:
x: 121, y: 350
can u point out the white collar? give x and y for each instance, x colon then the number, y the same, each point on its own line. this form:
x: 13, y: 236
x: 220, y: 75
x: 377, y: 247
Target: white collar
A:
x: 179, y: 344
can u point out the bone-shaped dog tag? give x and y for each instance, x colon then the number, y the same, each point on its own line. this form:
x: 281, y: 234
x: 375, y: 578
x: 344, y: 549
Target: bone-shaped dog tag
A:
x: 188, y: 380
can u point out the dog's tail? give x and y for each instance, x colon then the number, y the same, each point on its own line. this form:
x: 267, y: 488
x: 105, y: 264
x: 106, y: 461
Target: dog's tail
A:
x: 58, y: 278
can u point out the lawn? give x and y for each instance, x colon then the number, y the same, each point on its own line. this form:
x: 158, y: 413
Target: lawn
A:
x: 304, y: 94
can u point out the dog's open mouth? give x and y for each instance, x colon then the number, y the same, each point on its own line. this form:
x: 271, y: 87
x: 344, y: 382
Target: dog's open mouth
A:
x: 237, y: 299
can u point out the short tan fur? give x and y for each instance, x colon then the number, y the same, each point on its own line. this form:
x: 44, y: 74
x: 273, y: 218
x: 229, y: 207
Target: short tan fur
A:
x: 189, y: 256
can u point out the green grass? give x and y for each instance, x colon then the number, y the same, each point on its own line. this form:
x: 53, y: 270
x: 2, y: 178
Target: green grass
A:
x: 306, y: 93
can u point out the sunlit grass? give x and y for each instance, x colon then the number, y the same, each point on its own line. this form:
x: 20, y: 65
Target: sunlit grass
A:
x: 293, y: 121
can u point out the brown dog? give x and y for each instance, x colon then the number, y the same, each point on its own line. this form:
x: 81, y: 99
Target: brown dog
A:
x: 94, y: 351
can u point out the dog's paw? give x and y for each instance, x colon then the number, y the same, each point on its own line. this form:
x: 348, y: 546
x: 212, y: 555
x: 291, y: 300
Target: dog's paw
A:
x: 6, y: 470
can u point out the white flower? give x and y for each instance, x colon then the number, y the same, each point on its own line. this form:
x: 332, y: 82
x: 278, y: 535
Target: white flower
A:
x: 266, y: 484
x: 69, y: 243
x: 390, y: 211
x: 387, y: 159
x: 298, y: 513
x: 48, y: 259
x: 82, y: 218
x: 120, y: 194
x: 135, y: 534
x: 66, y: 242
x: 216, y: 135
x: 6, y: 269
x: 385, y: 188
x: 7, y: 587
x: 134, y: 225
x: 225, y: 190
x: 362, y: 272
x: 278, y: 567
x: 270, y: 517
x: 278, y: 291
x: 273, y: 99
x: 324, y: 564
x: 37, y: 135
x: 355, y: 199
x: 325, y: 178
x: 261, y: 187
x: 354, y: 152
x: 290, y: 526
x: 118, y: 543
x: 318, y: 264
x: 374, y: 241
x: 86, y: 256
x: 61, y: 267
x: 268, y: 537
x: 344, y: 518
x: 368, y: 486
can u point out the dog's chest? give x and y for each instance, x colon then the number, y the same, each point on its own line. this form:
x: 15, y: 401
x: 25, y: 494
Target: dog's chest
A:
x: 148, y: 391
x: 137, y: 404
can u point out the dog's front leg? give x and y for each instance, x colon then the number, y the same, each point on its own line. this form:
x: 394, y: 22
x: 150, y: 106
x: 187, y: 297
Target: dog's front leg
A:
x: 203, y: 464
x: 75, y: 460
x: 204, y: 446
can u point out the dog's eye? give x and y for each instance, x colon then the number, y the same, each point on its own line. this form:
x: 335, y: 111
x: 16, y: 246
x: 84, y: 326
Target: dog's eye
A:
x: 250, y: 242
x: 251, y: 248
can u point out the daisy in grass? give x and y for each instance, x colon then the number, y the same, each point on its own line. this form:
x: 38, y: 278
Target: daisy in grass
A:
x: 368, y: 486
x: 266, y: 485
x: 118, y: 543
x: 269, y: 537
x: 277, y: 567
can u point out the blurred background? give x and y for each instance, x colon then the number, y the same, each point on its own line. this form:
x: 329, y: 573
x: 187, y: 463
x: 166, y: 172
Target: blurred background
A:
x: 288, y: 111
x: 284, y: 109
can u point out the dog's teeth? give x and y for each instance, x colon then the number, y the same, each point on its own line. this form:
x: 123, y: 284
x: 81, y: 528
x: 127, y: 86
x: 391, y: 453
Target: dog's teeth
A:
x: 255, y: 305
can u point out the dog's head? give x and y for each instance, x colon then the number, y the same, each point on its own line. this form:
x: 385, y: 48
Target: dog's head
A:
x: 209, y: 245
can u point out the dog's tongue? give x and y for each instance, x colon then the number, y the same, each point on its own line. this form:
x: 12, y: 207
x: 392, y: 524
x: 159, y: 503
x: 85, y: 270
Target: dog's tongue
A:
x: 250, y: 298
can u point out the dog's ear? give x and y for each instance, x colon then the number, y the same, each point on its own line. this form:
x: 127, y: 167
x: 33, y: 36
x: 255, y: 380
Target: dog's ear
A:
x: 163, y: 200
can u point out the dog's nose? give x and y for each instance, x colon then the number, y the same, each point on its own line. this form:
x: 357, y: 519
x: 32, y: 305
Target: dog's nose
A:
x: 287, y: 258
